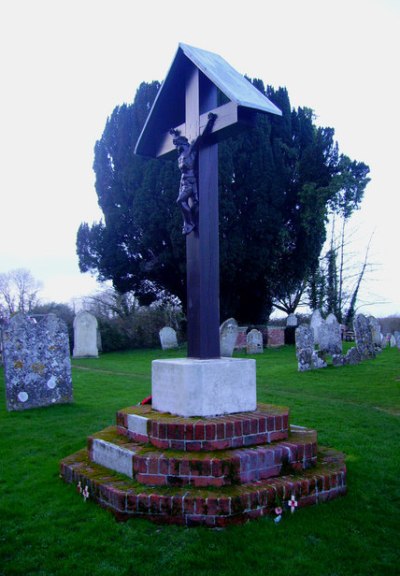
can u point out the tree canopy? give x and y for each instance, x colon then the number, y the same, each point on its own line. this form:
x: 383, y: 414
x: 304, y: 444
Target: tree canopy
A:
x: 277, y: 183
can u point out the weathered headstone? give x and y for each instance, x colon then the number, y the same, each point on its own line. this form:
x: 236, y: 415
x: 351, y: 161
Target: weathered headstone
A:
x: 254, y: 342
x: 168, y: 338
x: 37, y: 365
x: 304, y: 338
x: 363, y: 336
x: 228, y: 333
x: 375, y: 332
x: 393, y: 342
x: 315, y: 322
x: 307, y: 357
x: 352, y: 356
x: 291, y: 320
x: 85, y: 335
x: 330, y: 336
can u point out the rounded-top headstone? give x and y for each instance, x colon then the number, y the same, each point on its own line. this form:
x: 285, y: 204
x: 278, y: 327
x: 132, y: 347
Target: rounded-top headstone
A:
x: 85, y: 335
x: 228, y: 333
x: 168, y: 338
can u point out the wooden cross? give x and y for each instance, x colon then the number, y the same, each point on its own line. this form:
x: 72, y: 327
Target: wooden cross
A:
x: 187, y: 97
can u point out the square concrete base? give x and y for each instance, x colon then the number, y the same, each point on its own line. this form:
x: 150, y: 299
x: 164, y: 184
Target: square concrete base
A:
x: 190, y: 387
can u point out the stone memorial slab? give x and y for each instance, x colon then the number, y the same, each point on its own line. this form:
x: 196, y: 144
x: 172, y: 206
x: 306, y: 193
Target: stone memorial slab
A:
x: 85, y: 335
x: 37, y: 364
x: 330, y: 336
x: 254, y: 342
x: 363, y: 336
x: 376, y: 334
x: 168, y: 338
x: 276, y: 336
x: 315, y: 322
x: 307, y: 357
x: 228, y: 333
x: 291, y: 320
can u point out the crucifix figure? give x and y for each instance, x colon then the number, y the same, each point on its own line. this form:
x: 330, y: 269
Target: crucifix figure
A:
x: 188, y: 197
x: 188, y: 101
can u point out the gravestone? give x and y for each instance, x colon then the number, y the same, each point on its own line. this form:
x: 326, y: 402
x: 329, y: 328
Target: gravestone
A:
x: 363, y: 337
x: 330, y: 336
x: 307, y: 357
x: 315, y: 322
x: 352, y: 356
x: 291, y: 320
x: 254, y: 342
x: 168, y: 338
x: 393, y: 342
x: 304, y: 339
x: 228, y: 333
x: 86, y: 335
x: 375, y: 333
x: 37, y: 366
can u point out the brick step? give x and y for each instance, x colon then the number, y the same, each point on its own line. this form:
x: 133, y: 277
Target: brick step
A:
x: 219, y: 468
x: 214, y: 507
x: 265, y: 425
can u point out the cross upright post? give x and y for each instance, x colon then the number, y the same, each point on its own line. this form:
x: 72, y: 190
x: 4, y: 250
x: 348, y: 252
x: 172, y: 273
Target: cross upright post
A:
x: 202, y: 245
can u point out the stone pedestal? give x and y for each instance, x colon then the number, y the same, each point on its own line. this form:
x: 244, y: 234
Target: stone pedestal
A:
x: 190, y: 387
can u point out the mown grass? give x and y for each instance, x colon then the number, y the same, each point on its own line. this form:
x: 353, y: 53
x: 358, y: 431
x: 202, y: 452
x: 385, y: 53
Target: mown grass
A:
x: 47, y: 529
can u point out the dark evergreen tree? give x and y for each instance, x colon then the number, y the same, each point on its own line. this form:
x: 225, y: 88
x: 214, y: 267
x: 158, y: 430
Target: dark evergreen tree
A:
x: 276, y: 183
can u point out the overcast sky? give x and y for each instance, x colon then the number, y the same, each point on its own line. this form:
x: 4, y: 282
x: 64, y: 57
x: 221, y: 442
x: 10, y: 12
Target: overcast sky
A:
x: 66, y: 64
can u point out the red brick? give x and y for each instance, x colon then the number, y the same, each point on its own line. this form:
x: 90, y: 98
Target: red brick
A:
x: 203, y: 481
x: 262, y: 425
x: 212, y: 506
x: 238, y: 426
x: 216, y: 468
x: 122, y: 431
x: 270, y: 423
x: 188, y: 505
x: 154, y: 428
x: 224, y: 505
x: 220, y: 430
x: 229, y: 429
x: 131, y: 502
x: 153, y: 465
x: 189, y: 432
x: 254, y: 425
x: 176, y: 506
x: 159, y: 443
x: 274, y: 436
x: 193, y: 446
x: 165, y: 504
x: 152, y: 479
x: 154, y: 506
x: 238, y: 441
x: 162, y: 430
x: 140, y: 464
x: 173, y: 466
x: 246, y: 427
x: 163, y: 465
x: 177, y: 444
x: 199, y: 432
x: 184, y: 467
x: 200, y: 505
x: 278, y: 422
x: 143, y: 503
x: 211, y: 431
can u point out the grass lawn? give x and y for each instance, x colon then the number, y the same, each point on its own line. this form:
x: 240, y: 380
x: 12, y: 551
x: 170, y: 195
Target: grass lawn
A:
x: 47, y: 529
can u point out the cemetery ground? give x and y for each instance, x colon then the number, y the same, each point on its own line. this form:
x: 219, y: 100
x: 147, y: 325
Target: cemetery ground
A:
x: 47, y: 528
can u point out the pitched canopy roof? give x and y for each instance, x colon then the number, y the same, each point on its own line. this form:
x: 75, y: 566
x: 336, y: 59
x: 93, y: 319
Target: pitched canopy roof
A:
x: 168, y: 109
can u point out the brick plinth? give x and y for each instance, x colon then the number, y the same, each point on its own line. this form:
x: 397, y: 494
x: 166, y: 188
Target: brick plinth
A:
x: 212, y: 507
x: 204, y: 471
x: 172, y: 468
x: 264, y: 425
